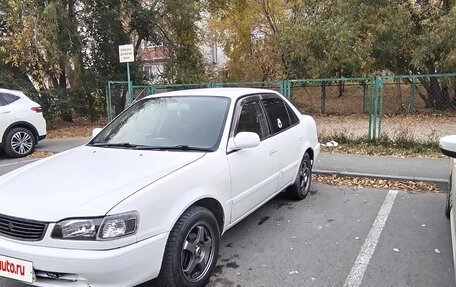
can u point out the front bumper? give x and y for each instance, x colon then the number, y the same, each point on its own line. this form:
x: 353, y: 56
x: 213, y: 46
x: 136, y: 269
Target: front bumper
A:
x: 126, y: 266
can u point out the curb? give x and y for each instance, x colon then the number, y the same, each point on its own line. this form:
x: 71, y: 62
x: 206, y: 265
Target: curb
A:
x: 381, y: 176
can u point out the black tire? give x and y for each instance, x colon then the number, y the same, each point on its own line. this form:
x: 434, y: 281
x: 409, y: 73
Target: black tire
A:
x: 197, y: 223
x: 448, y: 202
x: 300, y: 188
x: 19, y: 142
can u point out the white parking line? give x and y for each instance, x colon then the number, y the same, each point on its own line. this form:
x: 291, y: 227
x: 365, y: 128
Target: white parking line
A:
x: 17, y: 162
x: 356, y: 275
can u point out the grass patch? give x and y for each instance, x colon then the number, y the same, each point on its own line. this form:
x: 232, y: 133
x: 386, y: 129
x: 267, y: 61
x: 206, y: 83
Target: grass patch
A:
x: 403, y: 143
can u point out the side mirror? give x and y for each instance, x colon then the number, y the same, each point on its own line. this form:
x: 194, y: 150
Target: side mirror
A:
x: 244, y: 140
x: 96, y: 131
x: 448, y: 145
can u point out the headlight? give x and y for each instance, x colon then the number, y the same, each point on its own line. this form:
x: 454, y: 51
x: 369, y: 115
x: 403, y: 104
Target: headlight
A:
x: 99, y: 228
x: 115, y: 226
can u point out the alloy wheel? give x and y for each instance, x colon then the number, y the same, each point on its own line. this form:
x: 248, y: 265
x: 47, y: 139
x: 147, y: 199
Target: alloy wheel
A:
x: 197, y: 252
x: 21, y: 142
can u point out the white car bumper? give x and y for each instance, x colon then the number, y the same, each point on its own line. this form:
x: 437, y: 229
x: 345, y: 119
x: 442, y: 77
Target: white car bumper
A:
x: 126, y: 266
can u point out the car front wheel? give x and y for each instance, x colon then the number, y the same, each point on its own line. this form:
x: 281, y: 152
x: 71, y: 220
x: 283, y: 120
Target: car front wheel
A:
x: 191, y: 250
x: 19, y: 142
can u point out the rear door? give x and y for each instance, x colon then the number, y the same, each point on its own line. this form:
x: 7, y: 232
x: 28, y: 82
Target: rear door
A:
x: 7, y: 114
x: 254, y: 171
x: 284, y: 125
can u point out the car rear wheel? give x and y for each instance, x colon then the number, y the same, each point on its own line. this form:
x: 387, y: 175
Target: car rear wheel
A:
x: 19, y: 142
x: 191, y: 250
x: 300, y: 188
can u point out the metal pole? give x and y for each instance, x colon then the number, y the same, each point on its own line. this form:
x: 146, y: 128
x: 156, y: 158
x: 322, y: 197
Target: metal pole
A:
x: 371, y: 108
x: 130, y: 93
x: 323, y: 98
x: 380, y: 109
x: 109, y: 98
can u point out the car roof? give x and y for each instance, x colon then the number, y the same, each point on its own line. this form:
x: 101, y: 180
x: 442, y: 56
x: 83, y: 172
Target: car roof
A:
x: 13, y: 92
x: 233, y: 93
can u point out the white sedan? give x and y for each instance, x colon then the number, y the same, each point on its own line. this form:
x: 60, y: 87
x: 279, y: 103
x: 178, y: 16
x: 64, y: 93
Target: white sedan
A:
x: 448, y: 148
x: 150, y: 195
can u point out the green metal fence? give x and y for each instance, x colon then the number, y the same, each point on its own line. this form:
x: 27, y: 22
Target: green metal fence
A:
x: 433, y: 94
x: 369, y: 98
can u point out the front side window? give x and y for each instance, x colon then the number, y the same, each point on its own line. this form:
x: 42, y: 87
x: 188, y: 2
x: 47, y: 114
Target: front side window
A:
x: 277, y: 113
x: 184, y: 123
x: 252, y: 119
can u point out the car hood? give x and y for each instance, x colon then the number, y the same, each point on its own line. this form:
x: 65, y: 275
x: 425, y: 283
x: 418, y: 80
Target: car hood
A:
x: 86, y: 181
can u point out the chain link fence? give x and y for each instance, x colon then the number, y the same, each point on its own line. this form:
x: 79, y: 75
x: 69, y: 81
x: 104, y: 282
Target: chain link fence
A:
x: 330, y: 96
x: 417, y: 107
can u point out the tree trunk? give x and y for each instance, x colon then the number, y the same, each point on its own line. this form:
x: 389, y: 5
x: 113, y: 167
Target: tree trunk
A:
x: 438, y: 97
x: 399, y: 102
x: 341, y: 88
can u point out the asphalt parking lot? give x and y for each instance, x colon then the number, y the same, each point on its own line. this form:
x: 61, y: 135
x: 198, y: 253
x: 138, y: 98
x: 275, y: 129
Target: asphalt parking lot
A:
x: 337, y: 236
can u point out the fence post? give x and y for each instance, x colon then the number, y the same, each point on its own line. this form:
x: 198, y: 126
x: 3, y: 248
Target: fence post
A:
x: 288, y: 90
x: 371, y: 109
x: 152, y: 90
x: 109, y: 102
x: 285, y: 89
x: 412, y: 96
x: 323, y: 98
x: 380, y: 108
x: 376, y: 108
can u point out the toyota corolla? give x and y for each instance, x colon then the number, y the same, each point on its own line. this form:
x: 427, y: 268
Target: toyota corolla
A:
x: 150, y: 195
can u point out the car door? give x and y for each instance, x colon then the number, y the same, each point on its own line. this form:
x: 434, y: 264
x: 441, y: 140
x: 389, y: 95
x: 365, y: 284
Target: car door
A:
x: 284, y: 126
x: 254, y: 171
x: 7, y: 115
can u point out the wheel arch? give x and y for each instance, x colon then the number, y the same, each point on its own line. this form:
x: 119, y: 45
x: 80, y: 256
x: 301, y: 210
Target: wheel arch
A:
x: 215, y: 207
x: 21, y: 124
x: 310, y: 152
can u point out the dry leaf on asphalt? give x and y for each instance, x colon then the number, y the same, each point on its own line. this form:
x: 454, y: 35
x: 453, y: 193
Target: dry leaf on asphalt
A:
x: 360, y: 182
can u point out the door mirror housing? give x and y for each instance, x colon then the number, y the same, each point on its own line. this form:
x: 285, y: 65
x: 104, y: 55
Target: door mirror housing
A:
x: 448, y: 145
x: 96, y: 131
x: 244, y: 140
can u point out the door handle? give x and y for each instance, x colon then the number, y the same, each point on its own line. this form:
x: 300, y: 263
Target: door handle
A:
x: 301, y: 139
x: 5, y: 112
x: 272, y: 153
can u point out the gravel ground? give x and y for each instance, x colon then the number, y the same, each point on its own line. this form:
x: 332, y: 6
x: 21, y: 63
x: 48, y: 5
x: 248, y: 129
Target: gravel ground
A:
x: 421, y: 127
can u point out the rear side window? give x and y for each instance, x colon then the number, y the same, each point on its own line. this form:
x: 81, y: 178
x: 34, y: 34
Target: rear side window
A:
x: 293, y: 117
x: 2, y: 102
x: 278, y: 115
x: 8, y: 98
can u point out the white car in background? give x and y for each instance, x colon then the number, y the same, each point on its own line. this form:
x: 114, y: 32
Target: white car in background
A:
x: 150, y: 195
x: 21, y: 123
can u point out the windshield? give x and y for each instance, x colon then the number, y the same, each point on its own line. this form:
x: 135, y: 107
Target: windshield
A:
x: 186, y: 123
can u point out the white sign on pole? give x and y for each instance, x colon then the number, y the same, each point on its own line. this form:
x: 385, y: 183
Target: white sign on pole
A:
x: 126, y: 53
